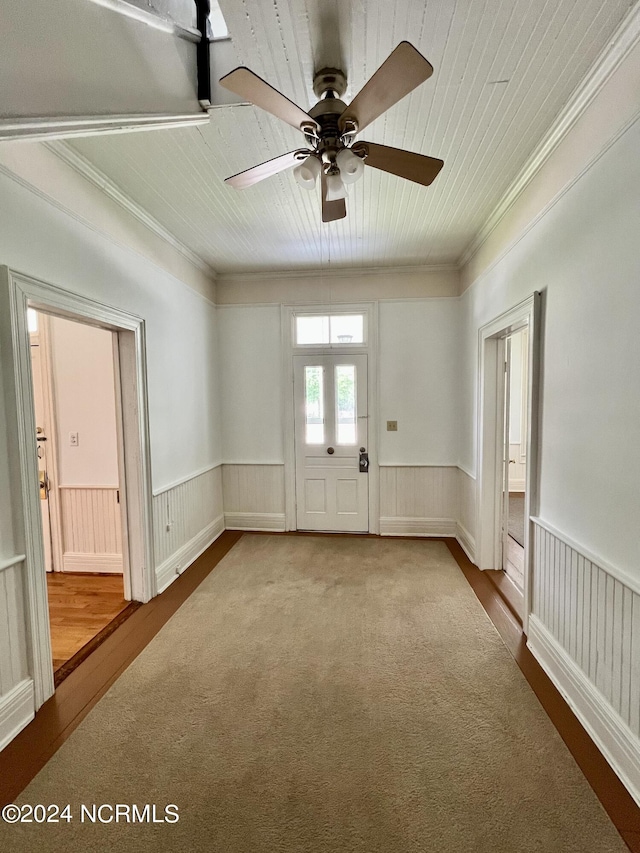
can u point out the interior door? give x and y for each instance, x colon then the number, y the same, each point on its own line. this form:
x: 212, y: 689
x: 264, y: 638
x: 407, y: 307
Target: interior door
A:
x: 505, y: 451
x: 41, y: 444
x: 330, y: 396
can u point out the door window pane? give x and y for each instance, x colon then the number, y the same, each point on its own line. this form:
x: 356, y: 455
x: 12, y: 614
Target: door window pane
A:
x: 321, y: 329
x: 312, y: 329
x: 314, y: 404
x: 347, y: 329
x: 32, y: 320
x: 346, y: 415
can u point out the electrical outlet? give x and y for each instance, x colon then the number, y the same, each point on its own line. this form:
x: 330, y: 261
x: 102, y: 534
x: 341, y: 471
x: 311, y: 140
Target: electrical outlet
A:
x: 392, y: 426
x: 73, y: 439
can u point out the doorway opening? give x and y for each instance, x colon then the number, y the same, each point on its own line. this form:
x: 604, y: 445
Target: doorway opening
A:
x: 515, y: 455
x: 508, y: 365
x: 18, y: 293
x: 79, y: 448
x: 331, y: 474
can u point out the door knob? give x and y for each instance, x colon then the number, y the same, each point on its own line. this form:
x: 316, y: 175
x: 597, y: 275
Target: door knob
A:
x: 330, y: 450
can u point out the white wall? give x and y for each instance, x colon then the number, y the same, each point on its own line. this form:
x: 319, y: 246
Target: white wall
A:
x: 39, y: 238
x: 418, y: 371
x: 82, y: 60
x: 57, y: 227
x: 582, y: 256
x: 573, y: 236
x: 84, y: 382
x: 251, y: 384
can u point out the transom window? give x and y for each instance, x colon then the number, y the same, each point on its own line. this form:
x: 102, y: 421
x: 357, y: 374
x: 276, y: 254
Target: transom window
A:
x: 327, y: 329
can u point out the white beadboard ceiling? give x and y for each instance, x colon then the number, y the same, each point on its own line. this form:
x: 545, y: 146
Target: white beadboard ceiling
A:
x: 503, y: 71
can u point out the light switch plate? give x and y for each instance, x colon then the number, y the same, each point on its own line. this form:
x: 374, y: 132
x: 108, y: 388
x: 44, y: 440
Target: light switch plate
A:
x: 392, y: 426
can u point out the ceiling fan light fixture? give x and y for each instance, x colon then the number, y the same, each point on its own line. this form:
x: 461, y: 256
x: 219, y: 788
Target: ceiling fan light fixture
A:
x: 306, y: 174
x: 351, y: 166
x: 335, y: 187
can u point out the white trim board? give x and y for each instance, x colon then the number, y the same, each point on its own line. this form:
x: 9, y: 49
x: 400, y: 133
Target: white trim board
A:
x: 92, y: 563
x: 10, y: 562
x: 150, y: 19
x: 618, y: 47
x: 340, y: 272
x: 466, y: 541
x: 157, y: 492
x: 626, y: 578
x: 98, y: 178
x: 54, y: 127
x: 181, y: 559
x: 402, y: 526
x: 258, y: 521
x: 16, y: 710
x: 609, y: 732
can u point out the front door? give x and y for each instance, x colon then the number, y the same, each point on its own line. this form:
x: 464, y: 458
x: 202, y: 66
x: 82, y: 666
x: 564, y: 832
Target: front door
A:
x: 332, y: 489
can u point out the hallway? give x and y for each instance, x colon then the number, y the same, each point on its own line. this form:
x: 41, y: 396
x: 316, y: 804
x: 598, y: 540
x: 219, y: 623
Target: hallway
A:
x: 322, y: 693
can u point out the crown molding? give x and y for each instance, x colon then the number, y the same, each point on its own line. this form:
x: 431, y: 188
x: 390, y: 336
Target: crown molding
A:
x: 150, y: 19
x: 85, y: 168
x: 625, y: 38
x: 340, y: 272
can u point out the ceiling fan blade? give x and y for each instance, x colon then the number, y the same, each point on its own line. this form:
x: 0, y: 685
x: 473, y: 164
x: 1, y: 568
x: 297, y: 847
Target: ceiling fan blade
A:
x: 265, y: 170
x: 406, y: 164
x: 398, y: 75
x: 331, y: 210
x: 257, y: 91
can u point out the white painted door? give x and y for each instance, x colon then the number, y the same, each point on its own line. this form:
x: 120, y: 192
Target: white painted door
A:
x: 41, y: 439
x: 505, y: 451
x: 330, y: 396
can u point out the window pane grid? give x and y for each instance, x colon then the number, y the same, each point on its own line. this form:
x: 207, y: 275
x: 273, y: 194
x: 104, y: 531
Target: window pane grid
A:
x: 314, y: 404
x: 346, y: 414
x: 325, y: 329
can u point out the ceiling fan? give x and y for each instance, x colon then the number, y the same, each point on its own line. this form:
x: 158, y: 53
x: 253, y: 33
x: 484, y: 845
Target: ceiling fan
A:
x: 330, y: 128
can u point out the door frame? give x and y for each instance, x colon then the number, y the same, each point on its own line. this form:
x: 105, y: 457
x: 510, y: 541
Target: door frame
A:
x: 490, y: 438
x: 49, y: 413
x: 288, y: 314
x: 17, y: 293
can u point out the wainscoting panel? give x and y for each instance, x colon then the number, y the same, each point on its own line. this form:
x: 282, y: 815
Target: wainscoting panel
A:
x: 186, y: 520
x: 253, y: 497
x: 17, y: 706
x: 585, y: 630
x: 418, y: 500
x: 91, y: 529
x: 467, y: 513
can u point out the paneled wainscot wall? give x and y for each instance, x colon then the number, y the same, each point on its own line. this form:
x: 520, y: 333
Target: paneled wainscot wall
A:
x: 585, y: 631
x: 187, y: 517
x: 16, y: 686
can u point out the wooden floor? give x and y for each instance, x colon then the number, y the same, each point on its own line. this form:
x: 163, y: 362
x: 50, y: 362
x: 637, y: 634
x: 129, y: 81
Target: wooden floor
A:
x: 514, y: 562
x: 57, y: 719
x: 80, y: 606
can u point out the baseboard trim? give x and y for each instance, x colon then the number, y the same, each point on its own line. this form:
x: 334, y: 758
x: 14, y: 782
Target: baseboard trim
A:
x: 609, y: 732
x: 260, y: 521
x: 517, y: 485
x: 75, y: 561
x: 181, y: 559
x: 467, y: 542
x: 17, y: 709
x: 399, y: 526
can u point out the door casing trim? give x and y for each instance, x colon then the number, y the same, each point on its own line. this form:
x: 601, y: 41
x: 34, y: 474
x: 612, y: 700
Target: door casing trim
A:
x: 490, y: 439
x: 370, y: 348
x: 18, y: 292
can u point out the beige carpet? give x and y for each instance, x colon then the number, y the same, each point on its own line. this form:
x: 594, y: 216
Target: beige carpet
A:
x: 319, y: 694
